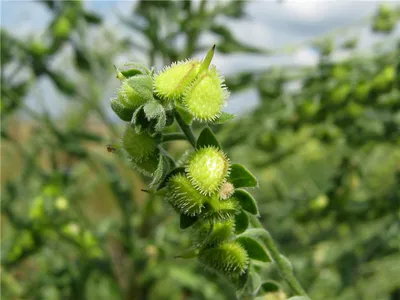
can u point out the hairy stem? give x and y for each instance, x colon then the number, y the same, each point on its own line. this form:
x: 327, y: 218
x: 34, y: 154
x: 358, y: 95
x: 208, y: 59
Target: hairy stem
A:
x: 186, y: 129
x: 283, y: 264
x: 175, y: 136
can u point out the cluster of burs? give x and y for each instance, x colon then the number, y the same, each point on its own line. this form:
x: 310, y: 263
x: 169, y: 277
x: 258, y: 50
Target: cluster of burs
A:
x: 204, y: 188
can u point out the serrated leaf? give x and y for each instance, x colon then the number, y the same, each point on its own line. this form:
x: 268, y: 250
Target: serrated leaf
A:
x: 241, y: 177
x: 224, y: 117
x: 246, y: 200
x: 270, y: 286
x: 241, y: 222
x: 207, y: 138
x: 187, y: 117
x: 187, y: 221
x: 163, y: 183
x: 254, y: 248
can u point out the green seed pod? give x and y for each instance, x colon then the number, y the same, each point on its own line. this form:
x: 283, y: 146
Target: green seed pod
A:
x: 171, y: 83
x: 221, y: 231
x: 229, y: 258
x: 207, y: 169
x: 136, y: 91
x: 184, y: 197
x: 138, y: 146
x: 206, y: 96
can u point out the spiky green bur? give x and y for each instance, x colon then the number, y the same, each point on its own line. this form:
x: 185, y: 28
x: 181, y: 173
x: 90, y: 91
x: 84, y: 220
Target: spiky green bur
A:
x: 136, y: 91
x: 138, y: 146
x: 207, y: 169
x: 183, y: 196
x: 171, y: 83
x: 206, y: 96
x: 229, y: 258
x: 221, y: 231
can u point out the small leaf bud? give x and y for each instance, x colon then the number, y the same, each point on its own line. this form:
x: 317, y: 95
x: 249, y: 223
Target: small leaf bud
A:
x: 136, y: 91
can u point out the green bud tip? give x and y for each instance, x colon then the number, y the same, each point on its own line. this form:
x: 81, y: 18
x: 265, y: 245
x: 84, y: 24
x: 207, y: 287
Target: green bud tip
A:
x: 207, y: 60
x: 120, y: 76
x: 206, y: 96
x: 138, y: 146
x: 207, y: 169
x: 183, y: 196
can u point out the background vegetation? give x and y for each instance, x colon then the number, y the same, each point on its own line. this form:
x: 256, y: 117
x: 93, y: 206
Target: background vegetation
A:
x: 323, y: 141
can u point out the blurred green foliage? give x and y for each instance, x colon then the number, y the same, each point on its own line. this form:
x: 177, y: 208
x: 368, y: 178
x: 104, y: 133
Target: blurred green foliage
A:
x: 75, y: 224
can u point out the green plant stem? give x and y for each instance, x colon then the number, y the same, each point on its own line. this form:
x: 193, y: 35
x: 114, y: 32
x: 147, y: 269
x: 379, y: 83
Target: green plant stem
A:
x: 282, y: 263
x: 175, y: 136
x: 186, y: 129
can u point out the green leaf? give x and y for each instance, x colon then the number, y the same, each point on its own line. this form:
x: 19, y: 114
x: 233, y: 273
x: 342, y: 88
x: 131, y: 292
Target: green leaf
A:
x: 187, y: 117
x: 187, y: 221
x: 254, y: 282
x: 246, y: 201
x: 175, y: 171
x: 270, y: 286
x: 241, y: 222
x: 224, y: 117
x: 241, y: 177
x: 134, y: 68
x: 162, y: 168
x: 125, y: 114
x: 139, y: 119
x: 207, y: 138
x: 299, y: 298
x: 81, y: 60
x: 254, y: 248
x: 91, y: 18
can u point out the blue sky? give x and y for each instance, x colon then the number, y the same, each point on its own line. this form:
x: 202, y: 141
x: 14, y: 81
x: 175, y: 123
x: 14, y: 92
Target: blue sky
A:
x: 268, y: 24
